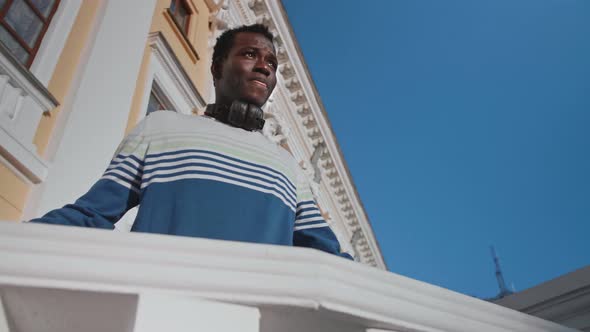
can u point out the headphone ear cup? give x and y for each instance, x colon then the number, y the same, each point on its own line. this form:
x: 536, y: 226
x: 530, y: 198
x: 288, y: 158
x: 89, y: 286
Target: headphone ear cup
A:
x: 243, y: 115
x: 237, y: 113
x: 255, y: 111
x: 255, y: 115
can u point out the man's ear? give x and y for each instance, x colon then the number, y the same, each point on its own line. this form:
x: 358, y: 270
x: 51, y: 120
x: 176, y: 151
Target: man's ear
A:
x: 216, y: 70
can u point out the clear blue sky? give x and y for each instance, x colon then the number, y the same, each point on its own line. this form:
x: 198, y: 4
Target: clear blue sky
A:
x: 464, y: 124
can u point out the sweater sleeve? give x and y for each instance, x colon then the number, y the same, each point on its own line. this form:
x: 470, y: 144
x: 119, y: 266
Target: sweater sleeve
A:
x: 117, y: 191
x: 311, y: 230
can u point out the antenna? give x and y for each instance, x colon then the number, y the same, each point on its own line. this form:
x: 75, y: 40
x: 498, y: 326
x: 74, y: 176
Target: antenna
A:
x: 501, y: 284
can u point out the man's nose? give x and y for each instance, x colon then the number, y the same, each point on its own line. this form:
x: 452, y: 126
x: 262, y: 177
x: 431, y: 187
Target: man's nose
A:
x: 261, y: 66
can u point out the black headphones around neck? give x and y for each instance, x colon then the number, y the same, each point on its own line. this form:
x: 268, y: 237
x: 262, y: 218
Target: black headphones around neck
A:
x: 239, y: 114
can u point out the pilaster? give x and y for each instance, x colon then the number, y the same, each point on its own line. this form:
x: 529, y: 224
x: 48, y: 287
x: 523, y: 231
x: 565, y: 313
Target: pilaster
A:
x: 99, y: 110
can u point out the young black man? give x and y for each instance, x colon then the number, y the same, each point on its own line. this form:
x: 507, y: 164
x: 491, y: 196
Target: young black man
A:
x: 214, y: 176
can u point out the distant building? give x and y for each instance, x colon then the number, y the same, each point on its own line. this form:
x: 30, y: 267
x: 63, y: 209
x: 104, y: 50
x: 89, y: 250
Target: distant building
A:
x: 564, y: 300
x: 76, y: 76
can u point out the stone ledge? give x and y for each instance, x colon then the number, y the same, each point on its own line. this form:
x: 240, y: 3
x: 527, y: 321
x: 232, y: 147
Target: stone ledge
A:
x: 34, y: 255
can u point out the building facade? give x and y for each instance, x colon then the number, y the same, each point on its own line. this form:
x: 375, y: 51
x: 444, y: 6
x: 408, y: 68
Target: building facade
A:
x: 76, y: 76
x: 564, y: 300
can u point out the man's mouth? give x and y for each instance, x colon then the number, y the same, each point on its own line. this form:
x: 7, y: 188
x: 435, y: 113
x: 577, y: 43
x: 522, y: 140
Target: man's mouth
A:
x: 260, y: 83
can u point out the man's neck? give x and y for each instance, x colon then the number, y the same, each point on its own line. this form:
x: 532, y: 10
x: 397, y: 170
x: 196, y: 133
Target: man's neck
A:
x: 238, y: 114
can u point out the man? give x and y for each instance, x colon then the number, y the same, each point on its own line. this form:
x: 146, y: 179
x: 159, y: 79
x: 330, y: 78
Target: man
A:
x: 214, y: 176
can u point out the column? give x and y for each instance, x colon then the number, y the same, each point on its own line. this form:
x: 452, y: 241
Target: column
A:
x: 100, y: 107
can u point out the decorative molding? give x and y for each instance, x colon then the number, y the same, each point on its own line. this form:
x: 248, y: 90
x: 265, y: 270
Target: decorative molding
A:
x: 60, y: 257
x: 314, y: 160
x: 171, y: 77
x: 274, y: 127
x: 23, y: 100
x: 25, y: 80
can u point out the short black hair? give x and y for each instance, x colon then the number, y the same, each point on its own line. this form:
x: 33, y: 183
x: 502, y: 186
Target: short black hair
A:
x: 226, y: 41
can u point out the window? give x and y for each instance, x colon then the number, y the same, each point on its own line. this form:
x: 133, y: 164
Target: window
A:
x: 157, y: 101
x: 154, y: 104
x: 23, y: 24
x: 181, y: 13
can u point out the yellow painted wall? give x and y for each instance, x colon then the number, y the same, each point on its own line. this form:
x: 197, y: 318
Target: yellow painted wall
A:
x: 66, y: 68
x: 196, y: 66
x: 13, y: 194
x: 14, y: 191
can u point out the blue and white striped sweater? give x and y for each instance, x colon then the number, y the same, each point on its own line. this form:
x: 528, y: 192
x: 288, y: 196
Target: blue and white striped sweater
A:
x: 194, y: 176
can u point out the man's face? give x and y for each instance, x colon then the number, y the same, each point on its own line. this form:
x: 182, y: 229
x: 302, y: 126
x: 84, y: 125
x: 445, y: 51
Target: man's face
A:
x: 249, y: 71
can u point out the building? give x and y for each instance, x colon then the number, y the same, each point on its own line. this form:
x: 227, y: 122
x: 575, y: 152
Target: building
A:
x: 73, y: 89
x: 564, y: 300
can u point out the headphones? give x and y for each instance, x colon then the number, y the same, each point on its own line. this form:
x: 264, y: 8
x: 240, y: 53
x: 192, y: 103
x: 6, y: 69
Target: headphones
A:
x: 239, y: 114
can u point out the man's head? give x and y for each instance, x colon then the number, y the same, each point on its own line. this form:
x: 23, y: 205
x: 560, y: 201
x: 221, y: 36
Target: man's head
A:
x: 244, y: 65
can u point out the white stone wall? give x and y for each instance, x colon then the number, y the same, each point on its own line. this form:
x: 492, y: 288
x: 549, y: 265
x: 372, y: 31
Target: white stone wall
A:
x: 55, y: 278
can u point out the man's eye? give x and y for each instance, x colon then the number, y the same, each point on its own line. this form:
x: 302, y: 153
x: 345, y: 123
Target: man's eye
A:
x: 249, y: 54
x: 272, y: 64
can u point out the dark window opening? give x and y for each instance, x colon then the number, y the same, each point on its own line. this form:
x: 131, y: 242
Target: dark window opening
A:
x: 23, y: 23
x: 158, y: 101
x: 181, y: 13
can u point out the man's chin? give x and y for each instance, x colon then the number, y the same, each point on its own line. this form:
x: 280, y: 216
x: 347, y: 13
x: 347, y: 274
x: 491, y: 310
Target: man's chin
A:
x: 258, y: 101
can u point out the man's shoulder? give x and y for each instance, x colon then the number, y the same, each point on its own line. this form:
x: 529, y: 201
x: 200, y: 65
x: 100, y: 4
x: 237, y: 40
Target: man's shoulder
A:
x: 161, y: 117
x: 171, y: 121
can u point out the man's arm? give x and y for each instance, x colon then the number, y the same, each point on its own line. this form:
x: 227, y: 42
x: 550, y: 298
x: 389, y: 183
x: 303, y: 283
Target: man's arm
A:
x: 311, y: 230
x: 113, y: 194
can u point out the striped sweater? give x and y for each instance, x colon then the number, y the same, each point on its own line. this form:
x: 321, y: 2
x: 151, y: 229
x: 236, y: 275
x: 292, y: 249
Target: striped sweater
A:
x: 195, y: 176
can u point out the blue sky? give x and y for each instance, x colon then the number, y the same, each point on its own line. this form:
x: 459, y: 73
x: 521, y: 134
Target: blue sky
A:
x: 464, y: 124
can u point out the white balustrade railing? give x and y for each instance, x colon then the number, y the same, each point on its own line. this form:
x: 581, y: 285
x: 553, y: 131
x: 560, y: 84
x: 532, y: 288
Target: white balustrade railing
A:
x: 57, y: 278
